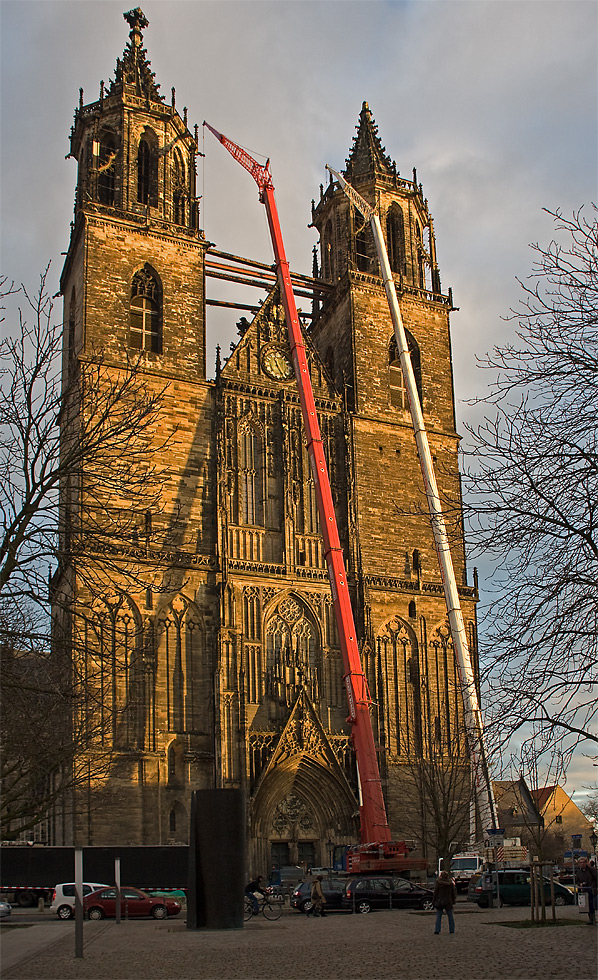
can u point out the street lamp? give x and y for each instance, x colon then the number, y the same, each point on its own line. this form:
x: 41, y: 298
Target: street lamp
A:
x: 330, y: 846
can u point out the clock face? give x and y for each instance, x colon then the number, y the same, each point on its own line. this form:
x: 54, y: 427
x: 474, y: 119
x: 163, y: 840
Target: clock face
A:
x: 276, y: 363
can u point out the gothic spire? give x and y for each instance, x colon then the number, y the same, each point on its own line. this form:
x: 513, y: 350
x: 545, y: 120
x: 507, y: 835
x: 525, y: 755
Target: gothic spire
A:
x: 367, y: 157
x: 133, y: 70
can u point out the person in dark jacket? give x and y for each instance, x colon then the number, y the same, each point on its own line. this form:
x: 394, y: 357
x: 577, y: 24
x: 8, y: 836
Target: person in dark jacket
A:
x: 318, y: 898
x: 587, y: 879
x: 444, y: 898
x: 255, y: 886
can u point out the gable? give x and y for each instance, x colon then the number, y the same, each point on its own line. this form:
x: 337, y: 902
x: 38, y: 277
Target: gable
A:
x: 262, y: 355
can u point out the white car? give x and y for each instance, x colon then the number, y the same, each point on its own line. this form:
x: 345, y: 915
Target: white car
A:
x: 63, y: 897
x: 5, y: 910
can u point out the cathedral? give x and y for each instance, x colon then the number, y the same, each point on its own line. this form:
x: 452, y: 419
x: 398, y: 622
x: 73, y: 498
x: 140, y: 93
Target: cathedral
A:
x: 208, y: 623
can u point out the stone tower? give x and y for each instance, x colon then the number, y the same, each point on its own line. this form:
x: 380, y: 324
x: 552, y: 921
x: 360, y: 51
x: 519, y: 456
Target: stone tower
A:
x: 146, y: 612
x: 399, y: 598
x: 209, y: 624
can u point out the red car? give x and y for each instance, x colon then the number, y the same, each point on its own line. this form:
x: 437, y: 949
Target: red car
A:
x: 134, y: 904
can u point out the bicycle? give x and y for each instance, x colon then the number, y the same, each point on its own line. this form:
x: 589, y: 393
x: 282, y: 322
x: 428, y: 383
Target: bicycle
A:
x: 269, y: 910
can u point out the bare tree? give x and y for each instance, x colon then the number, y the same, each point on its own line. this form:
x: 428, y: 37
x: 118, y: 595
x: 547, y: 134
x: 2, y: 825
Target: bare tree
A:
x: 437, y: 793
x: 75, y: 434
x: 590, y: 805
x: 45, y: 737
x: 533, y: 500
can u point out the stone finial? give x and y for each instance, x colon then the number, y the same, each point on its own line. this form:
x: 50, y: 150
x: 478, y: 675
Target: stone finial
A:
x: 137, y: 21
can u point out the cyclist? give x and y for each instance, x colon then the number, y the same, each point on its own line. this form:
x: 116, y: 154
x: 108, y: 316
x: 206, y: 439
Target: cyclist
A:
x: 251, y: 888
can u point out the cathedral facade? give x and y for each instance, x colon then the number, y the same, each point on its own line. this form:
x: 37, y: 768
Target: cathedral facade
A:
x: 212, y: 638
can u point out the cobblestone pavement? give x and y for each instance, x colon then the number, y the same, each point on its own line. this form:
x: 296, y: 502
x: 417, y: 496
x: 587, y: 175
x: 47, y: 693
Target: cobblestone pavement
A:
x: 374, y: 947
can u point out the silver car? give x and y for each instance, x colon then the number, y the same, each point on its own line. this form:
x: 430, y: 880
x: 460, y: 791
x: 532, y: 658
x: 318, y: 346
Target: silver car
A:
x: 5, y: 910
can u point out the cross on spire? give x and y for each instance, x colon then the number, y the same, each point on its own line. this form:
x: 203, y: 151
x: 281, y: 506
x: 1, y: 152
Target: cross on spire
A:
x: 137, y: 21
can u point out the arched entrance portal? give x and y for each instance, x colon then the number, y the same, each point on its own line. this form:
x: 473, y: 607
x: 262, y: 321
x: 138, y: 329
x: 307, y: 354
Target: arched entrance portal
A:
x: 303, y: 806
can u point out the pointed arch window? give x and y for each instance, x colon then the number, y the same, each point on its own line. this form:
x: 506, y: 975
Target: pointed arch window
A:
x: 327, y: 256
x: 293, y: 655
x: 178, y: 189
x: 307, y: 509
x: 107, y: 168
x: 398, y: 391
x: 180, y: 678
x: 251, y: 474
x: 362, y: 259
x: 145, y: 329
x: 72, y: 325
x: 395, y: 239
x: 147, y: 169
x: 114, y: 670
x: 420, y: 257
x: 399, y: 687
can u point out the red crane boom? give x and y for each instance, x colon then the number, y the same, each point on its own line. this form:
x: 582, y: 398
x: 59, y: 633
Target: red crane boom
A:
x: 374, y: 823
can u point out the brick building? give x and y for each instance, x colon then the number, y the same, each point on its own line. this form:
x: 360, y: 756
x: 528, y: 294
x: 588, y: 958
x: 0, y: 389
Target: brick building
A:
x: 218, y: 659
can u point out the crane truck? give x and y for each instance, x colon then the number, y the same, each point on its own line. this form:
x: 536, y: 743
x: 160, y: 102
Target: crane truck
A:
x: 377, y: 851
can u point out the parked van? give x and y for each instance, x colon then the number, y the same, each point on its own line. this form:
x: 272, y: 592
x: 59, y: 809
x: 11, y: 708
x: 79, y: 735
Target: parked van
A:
x: 515, y: 889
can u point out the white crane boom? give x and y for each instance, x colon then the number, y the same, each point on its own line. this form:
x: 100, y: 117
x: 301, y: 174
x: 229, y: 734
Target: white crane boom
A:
x: 473, y: 716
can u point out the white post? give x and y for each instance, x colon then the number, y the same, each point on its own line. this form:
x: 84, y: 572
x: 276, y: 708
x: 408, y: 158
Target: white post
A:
x: 78, y: 903
x: 118, y: 894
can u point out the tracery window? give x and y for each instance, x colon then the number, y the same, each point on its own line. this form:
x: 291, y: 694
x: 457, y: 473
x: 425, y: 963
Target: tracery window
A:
x: 292, y: 653
x: 72, y: 324
x: 251, y: 475
x: 362, y: 259
x: 307, y: 508
x: 106, y: 168
x: 444, y: 692
x: 398, y: 687
x: 327, y: 256
x: 420, y: 257
x: 395, y: 238
x: 178, y: 189
x: 115, y: 672
x: 147, y: 169
x: 145, y: 330
x: 179, y: 655
x: 398, y: 391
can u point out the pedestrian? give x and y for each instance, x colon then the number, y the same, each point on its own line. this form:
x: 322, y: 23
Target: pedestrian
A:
x: 444, y: 898
x: 251, y: 888
x: 587, y: 878
x: 318, y: 897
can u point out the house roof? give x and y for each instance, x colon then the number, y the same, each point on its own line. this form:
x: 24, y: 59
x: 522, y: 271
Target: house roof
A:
x: 542, y: 796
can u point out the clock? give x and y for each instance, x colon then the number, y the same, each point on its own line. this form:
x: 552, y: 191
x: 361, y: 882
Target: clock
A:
x: 276, y: 363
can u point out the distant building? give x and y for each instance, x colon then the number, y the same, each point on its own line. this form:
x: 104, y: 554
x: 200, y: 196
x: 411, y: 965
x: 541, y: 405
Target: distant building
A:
x: 562, y: 817
x: 517, y: 811
x: 545, y: 819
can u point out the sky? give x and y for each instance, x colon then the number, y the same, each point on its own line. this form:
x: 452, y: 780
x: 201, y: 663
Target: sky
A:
x: 495, y: 103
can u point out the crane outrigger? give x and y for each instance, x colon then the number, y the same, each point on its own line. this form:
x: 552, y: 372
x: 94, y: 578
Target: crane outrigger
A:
x: 377, y: 850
